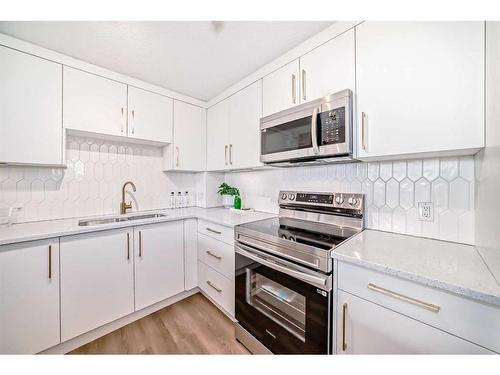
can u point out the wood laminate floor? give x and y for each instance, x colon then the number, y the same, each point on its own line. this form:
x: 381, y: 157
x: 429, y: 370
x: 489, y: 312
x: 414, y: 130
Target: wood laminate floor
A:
x: 191, y: 326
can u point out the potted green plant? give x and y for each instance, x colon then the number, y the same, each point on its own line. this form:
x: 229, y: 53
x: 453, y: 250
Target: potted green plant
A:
x: 231, y: 195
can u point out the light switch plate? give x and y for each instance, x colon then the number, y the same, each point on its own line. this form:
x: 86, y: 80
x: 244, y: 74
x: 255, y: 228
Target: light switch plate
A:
x: 426, y: 211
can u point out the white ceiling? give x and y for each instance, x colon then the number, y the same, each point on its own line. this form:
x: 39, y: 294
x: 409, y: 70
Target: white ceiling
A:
x: 199, y: 59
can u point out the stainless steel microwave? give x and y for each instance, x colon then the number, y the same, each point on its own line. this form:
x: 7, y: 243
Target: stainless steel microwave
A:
x: 319, y: 131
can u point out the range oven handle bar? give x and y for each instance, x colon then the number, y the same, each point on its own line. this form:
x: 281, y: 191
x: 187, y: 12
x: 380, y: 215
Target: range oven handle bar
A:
x: 267, y: 261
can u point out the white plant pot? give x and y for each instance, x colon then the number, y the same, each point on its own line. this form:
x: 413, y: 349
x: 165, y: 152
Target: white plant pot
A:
x: 228, y: 201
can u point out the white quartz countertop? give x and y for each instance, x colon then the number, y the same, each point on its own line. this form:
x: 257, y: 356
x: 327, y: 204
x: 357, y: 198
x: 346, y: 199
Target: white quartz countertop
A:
x: 454, y: 267
x: 64, y: 227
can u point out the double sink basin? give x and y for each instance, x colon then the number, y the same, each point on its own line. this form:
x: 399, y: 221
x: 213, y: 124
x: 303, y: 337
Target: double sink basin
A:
x: 109, y: 220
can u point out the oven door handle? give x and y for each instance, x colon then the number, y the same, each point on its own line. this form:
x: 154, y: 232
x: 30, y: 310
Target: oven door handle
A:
x: 310, y: 279
x: 314, y: 130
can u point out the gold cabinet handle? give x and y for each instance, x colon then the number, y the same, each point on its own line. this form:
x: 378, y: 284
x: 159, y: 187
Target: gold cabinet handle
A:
x: 344, y: 345
x: 128, y: 245
x: 363, y: 135
x: 213, y: 230
x: 304, y: 96
x: 140, y: 244
x: 401, y: 297
x: 122, y: 122
x: 231, y: 154
x: 133, y: 122
x: 50, y: 261
x: 294, y: 94
x: 213, y: 255
x: 213, y: 286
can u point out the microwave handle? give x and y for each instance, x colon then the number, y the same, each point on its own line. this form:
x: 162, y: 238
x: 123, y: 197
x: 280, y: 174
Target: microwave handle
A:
x: 314, y: 130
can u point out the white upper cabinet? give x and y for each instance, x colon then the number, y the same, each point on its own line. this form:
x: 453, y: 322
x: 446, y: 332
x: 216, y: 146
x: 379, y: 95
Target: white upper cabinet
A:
x: 97, y: 280
x: 419, y: 88
x: 29, y: 297
x: 233, y: 130
x: 218, y: 136
x: 328, y: 68
x: 94, y: 104
x: 30, y: 109
x: 281, y: 89
x: 149, y: 116
x: 245, y: 111
x: 159, y: 262
x: 188, y: 150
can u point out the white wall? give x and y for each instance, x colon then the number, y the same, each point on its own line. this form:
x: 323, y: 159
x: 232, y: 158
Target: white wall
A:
x: 393, y: 190
x: 488, y: 161
x: 91, y: 184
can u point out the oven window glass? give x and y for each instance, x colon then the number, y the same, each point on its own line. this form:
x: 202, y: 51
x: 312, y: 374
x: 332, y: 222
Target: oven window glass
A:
x: 293, y: 135
x: 284, y: 306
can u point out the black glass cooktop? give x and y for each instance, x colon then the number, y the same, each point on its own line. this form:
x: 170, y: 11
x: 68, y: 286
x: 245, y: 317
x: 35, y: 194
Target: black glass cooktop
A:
x: 309, y: 233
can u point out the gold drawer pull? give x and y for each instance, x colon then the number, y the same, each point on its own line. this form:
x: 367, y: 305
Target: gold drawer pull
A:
x: 213, y: 231
x: 213, y: 286
x: 344, y: 345
x: 425, y: 305
x: 213, y: 255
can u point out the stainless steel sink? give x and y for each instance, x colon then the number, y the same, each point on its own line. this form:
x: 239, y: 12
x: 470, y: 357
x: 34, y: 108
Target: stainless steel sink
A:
x: 84, y: 223
x: 145, y: 216
x: 97, y: 221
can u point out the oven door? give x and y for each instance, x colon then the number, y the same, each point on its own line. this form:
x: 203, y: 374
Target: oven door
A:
x: 284, y: 306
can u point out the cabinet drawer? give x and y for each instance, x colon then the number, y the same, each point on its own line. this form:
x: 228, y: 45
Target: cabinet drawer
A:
x: 217, y: 287
x: 460, y: 316
x: 218, y: 255
x: 219, y: 232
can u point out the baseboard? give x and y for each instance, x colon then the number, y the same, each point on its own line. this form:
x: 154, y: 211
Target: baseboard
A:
x: 87, y: 337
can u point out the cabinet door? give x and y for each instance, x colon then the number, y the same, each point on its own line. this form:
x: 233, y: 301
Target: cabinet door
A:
x: 97, y: 280
x: 328, y: 68
x: 419, y: 87
x: 189, y: 147
x: 30, y: 109
x: 149, y: 115
x: 190, y: 254
x: 280, y: 89
x: 29, y: 295
x: 218, y: 136
x: 245, y: 111
x: 159, y: 262
x: 94, y: 104
x: 372, y: 329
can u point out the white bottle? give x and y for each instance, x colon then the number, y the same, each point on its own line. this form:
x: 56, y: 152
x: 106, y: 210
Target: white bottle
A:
x: 186, y: 199
x: 178, y: 201
x: 172, y: 199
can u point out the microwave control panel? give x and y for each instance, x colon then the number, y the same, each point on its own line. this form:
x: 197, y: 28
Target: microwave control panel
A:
x: 333, y: 124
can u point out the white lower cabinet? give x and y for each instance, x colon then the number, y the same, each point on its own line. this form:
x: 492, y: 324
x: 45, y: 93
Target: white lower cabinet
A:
x: 159, y: 262
x: 190, y: 254
x: 29, y: 297
x: 373, y: 329
x: 97, y: 280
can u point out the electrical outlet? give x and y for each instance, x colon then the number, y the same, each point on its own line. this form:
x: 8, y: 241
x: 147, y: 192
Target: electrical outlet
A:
x: 426, y: 211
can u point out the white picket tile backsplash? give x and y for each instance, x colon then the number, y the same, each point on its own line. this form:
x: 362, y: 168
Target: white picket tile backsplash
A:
x: 91, y: 183
x: 392, y: 192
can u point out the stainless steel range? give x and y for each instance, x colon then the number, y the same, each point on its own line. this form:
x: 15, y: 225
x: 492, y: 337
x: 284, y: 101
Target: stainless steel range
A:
x: 283, y: 271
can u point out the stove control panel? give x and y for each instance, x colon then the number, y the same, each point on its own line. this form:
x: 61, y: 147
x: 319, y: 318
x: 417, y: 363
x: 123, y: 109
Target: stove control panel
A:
x: 352, y: 201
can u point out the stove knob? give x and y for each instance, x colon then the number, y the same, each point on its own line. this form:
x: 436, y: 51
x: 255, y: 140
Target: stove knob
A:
x: 339, y: 199
x: 292, y: 197
x: 283, y: 196
x: 352, y: 201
